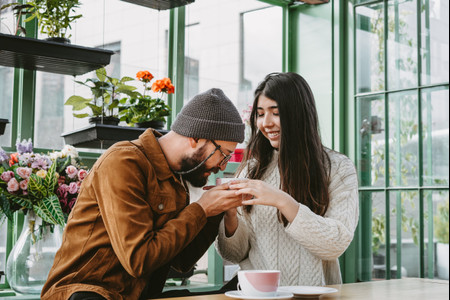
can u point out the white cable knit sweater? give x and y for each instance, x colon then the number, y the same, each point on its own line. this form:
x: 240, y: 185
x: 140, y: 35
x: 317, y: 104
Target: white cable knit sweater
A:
x: 307, y: 250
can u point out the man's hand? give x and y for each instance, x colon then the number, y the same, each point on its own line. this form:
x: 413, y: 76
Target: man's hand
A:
x: 219, y: 199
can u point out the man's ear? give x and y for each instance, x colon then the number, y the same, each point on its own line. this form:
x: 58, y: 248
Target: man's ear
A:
x: 193, y: 142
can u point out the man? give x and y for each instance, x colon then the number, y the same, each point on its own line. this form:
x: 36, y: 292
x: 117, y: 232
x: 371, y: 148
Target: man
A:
x: 133, y: 221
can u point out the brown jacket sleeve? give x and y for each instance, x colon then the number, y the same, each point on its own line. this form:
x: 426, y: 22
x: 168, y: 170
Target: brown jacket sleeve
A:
x: 186, y: 260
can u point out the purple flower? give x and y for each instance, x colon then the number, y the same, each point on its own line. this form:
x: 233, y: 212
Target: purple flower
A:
x: 3, y: 155
x: 24, y: 146
x: 40, y: 163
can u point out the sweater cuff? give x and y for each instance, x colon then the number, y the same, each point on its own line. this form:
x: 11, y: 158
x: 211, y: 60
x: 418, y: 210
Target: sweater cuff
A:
x: 235, y: 247
x: 304, y: 216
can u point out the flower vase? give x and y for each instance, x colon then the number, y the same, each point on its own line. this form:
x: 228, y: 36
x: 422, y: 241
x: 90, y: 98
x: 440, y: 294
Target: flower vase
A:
x: 32, y: 256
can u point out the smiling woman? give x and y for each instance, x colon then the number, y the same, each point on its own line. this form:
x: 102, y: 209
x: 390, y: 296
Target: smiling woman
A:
x: 308, y: 222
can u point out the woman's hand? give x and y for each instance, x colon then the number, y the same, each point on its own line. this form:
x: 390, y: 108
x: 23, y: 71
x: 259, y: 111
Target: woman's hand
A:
x: 257, y: 192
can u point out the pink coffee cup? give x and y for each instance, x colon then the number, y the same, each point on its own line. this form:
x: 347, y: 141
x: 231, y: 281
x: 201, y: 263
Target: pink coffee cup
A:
x: 259, y: 283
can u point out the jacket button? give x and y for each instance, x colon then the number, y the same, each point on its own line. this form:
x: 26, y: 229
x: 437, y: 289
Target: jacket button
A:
x: 161, y: 206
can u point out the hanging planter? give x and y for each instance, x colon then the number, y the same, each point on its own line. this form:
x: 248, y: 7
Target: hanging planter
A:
x: 101, y: 136
x: 161, y: 4
x: 48, y: 56
x: 3, y: 123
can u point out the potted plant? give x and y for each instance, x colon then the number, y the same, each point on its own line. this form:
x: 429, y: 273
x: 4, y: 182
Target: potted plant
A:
x: 54, y: 17
x: 106, y: 92
x: 142, y: 110
x: 441, y: 233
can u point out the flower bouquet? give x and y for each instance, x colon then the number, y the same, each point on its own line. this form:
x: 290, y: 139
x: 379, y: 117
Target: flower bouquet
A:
x: 45, y: 184
x: 45, y: 187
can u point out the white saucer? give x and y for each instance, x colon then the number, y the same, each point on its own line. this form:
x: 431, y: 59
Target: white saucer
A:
x: 239, y: 295
x: 307, y: 291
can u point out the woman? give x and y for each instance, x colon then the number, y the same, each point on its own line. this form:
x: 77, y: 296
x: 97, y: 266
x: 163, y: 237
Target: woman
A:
x: 304, y: 206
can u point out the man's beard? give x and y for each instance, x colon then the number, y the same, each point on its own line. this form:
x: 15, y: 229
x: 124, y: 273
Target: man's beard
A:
x: 196, y: 177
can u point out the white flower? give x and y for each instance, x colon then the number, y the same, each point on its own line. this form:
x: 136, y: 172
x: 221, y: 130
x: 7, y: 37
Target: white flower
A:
x: 55, y: 155
x: 69, y: 150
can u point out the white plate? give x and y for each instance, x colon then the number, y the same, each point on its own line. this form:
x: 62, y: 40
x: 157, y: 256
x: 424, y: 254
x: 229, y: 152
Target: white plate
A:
x: 239, y: 295
x: 307, y: 291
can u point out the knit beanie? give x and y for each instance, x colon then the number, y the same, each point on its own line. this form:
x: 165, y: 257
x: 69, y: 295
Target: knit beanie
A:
x: 212, y: 116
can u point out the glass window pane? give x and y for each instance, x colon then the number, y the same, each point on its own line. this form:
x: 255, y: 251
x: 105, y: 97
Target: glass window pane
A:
x: 404, y: 233
x: 370, y: 48
x: 435, y: 116
x: 6, y: 96
x: 231, y: 55
x: 313, y: 42
x: 402, y: 44
x: 378, y: 235
x: 403, y: 137
x: 436, y: 232
x: 435, y: 31
x: 49, y: 113
x: 371, y: 141
x: 109, y: 25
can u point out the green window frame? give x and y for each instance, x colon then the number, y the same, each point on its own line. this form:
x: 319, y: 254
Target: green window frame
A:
x: 399, y: 188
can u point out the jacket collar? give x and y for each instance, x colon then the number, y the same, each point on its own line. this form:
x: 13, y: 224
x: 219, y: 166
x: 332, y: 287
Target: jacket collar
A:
x: 154, y: 153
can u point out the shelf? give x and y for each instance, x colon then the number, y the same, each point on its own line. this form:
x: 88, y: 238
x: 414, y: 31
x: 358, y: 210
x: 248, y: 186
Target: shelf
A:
x: 47, y: 56
x: 161, y: 4
x: 99, y: 136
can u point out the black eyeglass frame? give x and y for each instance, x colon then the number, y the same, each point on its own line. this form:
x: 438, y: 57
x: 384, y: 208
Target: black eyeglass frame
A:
x: 226, y: 158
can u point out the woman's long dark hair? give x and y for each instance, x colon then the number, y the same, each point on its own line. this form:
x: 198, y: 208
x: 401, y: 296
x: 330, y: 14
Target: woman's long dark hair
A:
x: 303, y: 162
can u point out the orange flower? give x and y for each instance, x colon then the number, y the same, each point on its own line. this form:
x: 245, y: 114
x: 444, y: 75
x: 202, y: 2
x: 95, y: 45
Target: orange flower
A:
x: 163, y: 85
x: 145, y: 76
x: 14, y: 159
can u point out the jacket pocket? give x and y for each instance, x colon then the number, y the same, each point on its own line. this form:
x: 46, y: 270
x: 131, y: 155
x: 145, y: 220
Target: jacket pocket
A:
x: 163, y: 204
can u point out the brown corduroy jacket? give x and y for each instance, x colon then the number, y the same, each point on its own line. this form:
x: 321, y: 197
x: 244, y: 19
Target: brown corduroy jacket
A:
x: 131, y: 222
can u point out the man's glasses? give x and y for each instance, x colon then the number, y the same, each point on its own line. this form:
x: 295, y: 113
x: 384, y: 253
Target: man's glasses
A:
x: 225, y: 159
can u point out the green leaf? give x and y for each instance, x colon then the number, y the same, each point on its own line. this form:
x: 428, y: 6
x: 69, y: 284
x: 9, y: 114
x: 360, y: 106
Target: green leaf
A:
x: 81, y: 115
x: 36, y: 187
x: 5, y: 208
x: 78, y: 102
x: 50, y: 179
x: 24, y: 202
x: 62, y: 163
x: 126, y: 79
x: 101, y: 74
x: 53, y: 208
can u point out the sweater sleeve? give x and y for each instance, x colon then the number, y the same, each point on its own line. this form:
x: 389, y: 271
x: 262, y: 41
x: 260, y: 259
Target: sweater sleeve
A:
x: 329, y: 236
x: 236, y: 247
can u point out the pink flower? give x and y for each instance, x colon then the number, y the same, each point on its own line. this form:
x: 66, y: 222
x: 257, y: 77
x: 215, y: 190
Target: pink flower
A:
x: 13, y: 185
x: 61, y: 192
x: 71, y: 172
x: 73, y: 188
x: 24, y: 173
x: 72, y: 203
x: 24, y: 184
x: 82, y: 174
x: 61, y: 180
x: 7, y: 176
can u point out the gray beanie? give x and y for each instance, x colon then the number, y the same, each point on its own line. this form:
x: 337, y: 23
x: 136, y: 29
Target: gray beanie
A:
x: 212, y: 116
